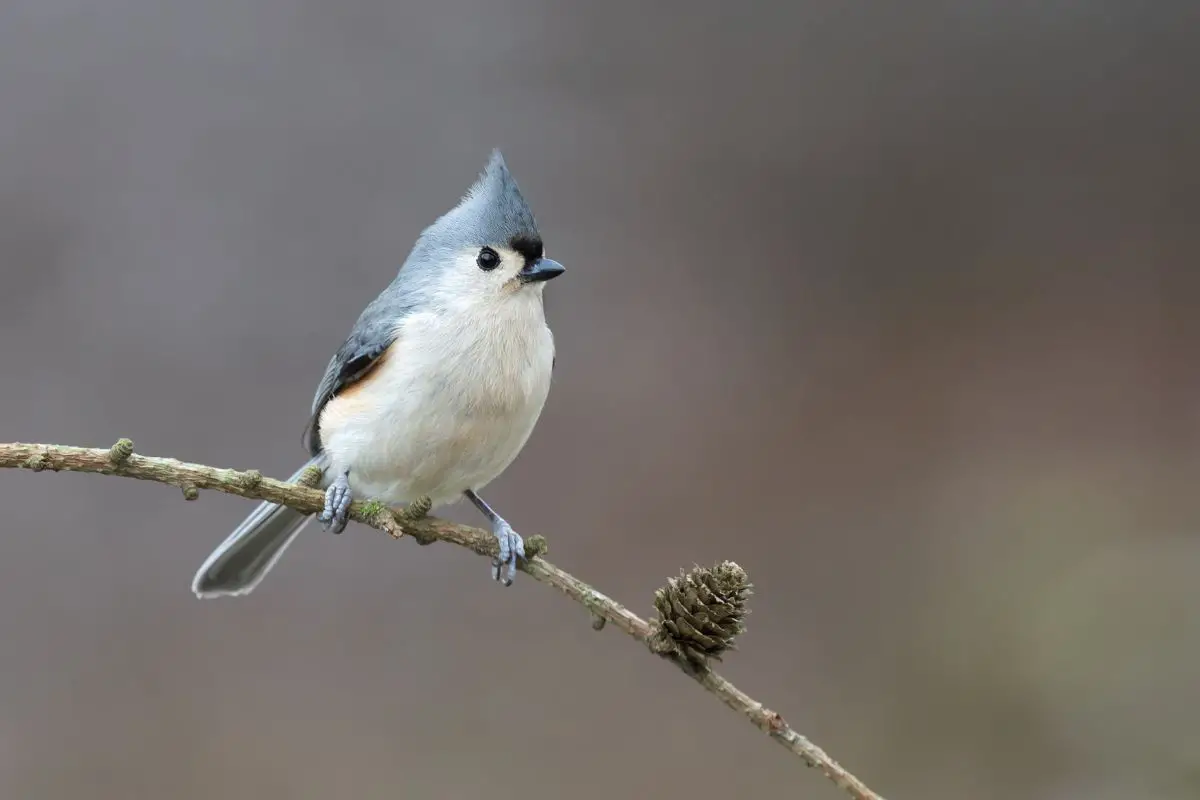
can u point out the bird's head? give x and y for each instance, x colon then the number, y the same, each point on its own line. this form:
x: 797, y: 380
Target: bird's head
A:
x: 488, y: 246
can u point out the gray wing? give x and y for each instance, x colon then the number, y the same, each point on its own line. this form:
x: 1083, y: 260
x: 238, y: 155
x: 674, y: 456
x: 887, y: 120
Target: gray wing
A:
x: 373, y: 334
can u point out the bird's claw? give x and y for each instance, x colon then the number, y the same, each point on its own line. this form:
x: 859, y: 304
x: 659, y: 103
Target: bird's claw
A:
x: 512, y: 547
x: 337, y: 505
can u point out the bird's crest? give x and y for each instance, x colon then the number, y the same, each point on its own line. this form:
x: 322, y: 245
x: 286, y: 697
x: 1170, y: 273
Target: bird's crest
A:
x: 493, y: 210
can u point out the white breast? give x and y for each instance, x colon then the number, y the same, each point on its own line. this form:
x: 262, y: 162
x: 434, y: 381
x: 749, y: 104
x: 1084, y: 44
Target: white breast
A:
x: 449, y: 408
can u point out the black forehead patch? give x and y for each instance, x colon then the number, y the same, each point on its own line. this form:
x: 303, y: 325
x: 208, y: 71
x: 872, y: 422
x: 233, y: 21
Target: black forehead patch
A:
x: 530, y: 247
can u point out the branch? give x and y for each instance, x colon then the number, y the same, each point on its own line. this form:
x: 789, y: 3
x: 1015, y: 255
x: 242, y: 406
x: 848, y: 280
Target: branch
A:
x: 120, y: 460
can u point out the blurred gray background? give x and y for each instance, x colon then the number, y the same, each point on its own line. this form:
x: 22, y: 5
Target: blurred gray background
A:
x: 895, y: 306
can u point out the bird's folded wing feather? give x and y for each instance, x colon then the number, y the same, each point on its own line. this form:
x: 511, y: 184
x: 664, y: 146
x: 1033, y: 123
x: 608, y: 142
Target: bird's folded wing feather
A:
x: 373, y: 334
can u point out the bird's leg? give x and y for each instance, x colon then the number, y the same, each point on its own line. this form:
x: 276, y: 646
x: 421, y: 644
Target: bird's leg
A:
x: 337, y: 503
x: 512, y: 545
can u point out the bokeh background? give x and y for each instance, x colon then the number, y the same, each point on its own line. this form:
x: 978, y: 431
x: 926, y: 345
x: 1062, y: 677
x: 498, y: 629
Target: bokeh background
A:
x: 893, y: 304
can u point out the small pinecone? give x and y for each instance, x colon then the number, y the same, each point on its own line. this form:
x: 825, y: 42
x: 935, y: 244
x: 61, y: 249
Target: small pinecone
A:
x: 702, y: 611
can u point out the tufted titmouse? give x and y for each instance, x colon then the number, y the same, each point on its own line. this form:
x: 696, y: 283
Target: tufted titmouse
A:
x: 435, y: 391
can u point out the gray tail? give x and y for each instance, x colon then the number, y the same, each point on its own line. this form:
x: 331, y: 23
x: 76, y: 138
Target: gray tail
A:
x: 244, y: 559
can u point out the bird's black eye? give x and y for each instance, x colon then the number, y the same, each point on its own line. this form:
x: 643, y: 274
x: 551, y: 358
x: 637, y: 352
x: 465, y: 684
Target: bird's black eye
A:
x: 488, y: 259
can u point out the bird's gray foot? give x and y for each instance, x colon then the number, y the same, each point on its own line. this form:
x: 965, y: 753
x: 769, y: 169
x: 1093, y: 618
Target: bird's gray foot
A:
x: 337, y: 504
x: 512, y: 547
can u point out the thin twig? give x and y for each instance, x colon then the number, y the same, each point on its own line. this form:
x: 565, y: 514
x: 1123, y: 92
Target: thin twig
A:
x: 120, y: 460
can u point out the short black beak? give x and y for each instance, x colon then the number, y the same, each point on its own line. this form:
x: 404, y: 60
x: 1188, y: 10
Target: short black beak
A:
x: 541, y: 269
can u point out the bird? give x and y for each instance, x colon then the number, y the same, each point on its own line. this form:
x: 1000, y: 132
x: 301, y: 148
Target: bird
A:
x: 434, y: 392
